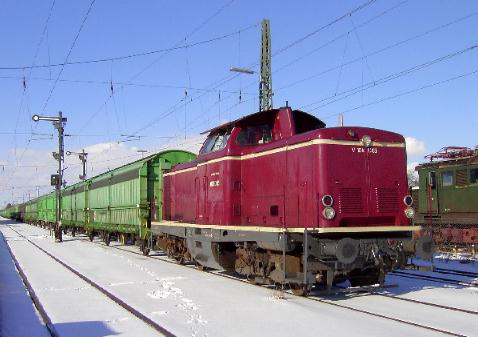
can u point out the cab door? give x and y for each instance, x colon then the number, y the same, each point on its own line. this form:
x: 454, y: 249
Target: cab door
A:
x: 201, y: 186
x: 432, y: 193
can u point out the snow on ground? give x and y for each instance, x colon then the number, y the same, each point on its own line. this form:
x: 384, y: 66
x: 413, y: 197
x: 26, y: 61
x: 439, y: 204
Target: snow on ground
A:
x: 189, y: 302
x: 460, y: 261
x: 16, y: 306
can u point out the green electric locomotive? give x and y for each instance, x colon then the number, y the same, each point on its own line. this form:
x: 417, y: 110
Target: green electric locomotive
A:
x: 447, y: 203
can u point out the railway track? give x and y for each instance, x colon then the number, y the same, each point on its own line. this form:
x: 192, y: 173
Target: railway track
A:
x: 95, y: 285
x: 432, y: 278
x: 312, y: 298
x: 326, y: 301
x: 456, y: 272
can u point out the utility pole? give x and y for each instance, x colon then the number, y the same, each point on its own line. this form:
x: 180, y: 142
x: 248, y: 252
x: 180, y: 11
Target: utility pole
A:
x: 265, y: 84
x: 265, y: 77
x: 57, y: 179
x: 83, y: 156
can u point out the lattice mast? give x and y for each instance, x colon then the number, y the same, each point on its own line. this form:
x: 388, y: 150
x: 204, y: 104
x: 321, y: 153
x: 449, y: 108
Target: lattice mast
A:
x: 265, y: 84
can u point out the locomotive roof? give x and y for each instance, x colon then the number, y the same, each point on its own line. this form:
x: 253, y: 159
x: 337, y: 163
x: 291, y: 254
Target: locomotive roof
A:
x: 449, y: 162
x: 257, y: 115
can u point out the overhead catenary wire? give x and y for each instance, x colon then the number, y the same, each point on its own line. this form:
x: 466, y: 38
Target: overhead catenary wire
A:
x: 321, y: 28
x: 226, y: 79
x: 189, y: 35
x: 134, y: 55
x: 381, y: 50
x: 337, y: 38
x: 407, y: 92
x: 85, y: 17
x: 127, y: 84
x: 372, y: 84
x: 59, y: 74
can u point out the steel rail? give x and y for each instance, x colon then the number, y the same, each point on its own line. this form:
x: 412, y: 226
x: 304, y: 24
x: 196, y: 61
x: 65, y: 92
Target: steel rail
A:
x: 105, y: 292
x: 432, y: 278
x: 455, y: 272
x: 441, y: 306
x: 445, y: 332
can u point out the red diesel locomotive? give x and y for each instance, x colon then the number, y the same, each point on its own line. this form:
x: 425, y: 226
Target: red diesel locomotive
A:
x: 278, y: 197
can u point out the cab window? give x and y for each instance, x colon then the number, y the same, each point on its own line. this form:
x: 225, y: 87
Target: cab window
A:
x: 305, y: 122
x: 447, y: 178
x: 254, y: 135
x: 432, y: 179
x: 216, y: 141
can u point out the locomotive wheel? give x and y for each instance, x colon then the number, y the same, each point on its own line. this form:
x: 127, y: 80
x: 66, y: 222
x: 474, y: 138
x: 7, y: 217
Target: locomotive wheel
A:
x: 144, y: 248
x: 107, y: 238
x: 200, y: 266
x: 299, y: 289
x: 252, y: 279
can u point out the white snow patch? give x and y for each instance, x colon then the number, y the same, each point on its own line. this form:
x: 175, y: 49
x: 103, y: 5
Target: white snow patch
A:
x: 159, y: 313
x: 166, y: 290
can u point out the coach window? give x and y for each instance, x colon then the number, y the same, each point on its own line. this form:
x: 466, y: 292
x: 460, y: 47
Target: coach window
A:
x: 447, y: 178
x: 216, y: 141
x: 255, y: 135
x: 473, y: 175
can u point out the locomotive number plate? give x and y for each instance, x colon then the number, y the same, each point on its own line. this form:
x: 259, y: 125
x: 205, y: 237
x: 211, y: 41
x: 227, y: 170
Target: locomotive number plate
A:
x: 363, y: 149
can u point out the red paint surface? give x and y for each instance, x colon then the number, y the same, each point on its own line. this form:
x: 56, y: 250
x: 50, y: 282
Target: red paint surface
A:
x: 285, y: 188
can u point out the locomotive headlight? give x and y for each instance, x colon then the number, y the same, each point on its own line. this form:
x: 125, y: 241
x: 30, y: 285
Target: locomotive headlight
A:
x: 327, y: 200
x: 366, y: 140
x: 409, y: 212
x: 408, y: 200
x: 328, y: 213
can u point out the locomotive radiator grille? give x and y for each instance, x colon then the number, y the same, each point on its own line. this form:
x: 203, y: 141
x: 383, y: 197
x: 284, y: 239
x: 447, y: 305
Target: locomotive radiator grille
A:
x: 387, y: 200
x: 350, y: 200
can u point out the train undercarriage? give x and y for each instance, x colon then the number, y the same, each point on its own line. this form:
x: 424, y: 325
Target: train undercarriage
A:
x: 298, y: 261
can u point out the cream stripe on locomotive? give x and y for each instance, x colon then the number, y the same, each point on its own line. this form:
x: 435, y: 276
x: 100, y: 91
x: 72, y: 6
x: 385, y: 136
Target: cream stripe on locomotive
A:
x: 288, y: 148
x: 322, y: 230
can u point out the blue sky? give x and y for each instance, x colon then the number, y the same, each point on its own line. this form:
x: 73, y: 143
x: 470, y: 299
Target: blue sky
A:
x: 323, y: 65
